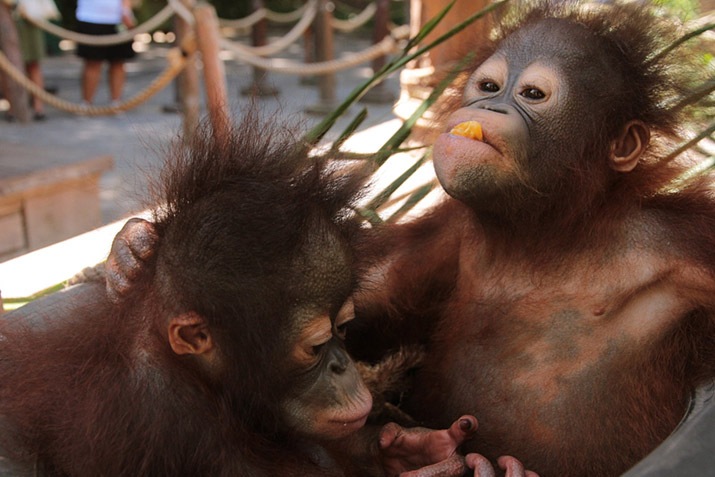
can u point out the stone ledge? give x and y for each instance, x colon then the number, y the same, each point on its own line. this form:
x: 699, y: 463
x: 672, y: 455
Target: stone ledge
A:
x: 46, y: 195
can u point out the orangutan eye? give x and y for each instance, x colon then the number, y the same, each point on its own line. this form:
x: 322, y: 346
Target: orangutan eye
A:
x: 344, y: 316
x: 317, y: 332
x: 533, y: 93
x: 341, y: 331
x: 488, y: 87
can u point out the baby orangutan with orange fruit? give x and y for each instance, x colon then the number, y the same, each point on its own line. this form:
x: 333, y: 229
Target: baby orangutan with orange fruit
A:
x: 565, y: 290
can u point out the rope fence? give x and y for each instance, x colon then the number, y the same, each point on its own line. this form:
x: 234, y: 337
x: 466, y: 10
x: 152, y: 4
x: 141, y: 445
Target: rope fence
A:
x: 104, y: 40
x: 182, y: 11
x: 178, y: 56
x: 387, y: 46
x: 264, y: 13
x: 177, y: 60
x: 357, y: 21
x: 288, y: 39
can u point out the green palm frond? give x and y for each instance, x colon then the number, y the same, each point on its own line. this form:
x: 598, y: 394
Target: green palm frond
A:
x: 318, y: 132
x: 394, y: 144
x: 688, y: 36
x: 699, y: 96
x: 692, y: 143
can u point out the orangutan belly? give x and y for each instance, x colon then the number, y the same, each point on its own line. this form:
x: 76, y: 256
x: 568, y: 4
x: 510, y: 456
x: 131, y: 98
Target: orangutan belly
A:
x: 558, y: 369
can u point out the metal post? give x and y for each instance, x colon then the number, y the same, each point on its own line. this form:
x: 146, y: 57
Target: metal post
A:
x: 324, y: 51
x: 10, y: 45
x: 259, y: 37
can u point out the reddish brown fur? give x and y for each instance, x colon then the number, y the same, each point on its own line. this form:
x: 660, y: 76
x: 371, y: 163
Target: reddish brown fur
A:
x: 576, y: 331
x: 102, y: 393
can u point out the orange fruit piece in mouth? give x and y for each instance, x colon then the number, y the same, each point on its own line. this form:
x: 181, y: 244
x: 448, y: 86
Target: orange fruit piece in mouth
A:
x: 468, y: 129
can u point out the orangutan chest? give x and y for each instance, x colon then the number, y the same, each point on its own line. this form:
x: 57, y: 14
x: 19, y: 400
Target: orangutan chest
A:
x: 562, y: 334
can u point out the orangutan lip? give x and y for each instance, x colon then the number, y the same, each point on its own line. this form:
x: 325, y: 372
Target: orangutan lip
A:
x: 483, y: 141
x: 465, y: 137
x: 351, y: 422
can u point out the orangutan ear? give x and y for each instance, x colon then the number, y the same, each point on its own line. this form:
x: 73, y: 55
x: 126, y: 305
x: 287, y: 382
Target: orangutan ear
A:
x: 627, y: 149
x: 189, y: 334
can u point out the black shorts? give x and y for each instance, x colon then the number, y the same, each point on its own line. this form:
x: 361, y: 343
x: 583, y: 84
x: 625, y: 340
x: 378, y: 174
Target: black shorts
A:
x: 122, y: 51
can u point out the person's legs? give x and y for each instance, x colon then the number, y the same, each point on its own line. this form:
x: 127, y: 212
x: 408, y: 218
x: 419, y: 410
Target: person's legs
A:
x: 34, y: 72
x: 90, y: 79
x: 116, y: 79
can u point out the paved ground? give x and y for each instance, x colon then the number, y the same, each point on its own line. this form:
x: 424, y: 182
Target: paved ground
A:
x: 134, y: 137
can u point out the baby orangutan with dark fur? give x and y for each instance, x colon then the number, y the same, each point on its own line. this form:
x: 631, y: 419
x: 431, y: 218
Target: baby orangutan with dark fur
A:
x: 225, y: 355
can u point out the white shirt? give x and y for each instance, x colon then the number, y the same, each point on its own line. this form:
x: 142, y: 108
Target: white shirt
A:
x: 107, y: 12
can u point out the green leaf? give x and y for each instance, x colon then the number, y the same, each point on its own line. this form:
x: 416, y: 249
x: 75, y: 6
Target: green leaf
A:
x: 391, y: 146
x: 413, y: 200
x: 12, y: 303
x: 428, y: 27
x: 318, y: 131
x: 696, y: 95
x: 681, y: 40
x: 385, y: 194
x: 692, y: 142
x: 352, y: 127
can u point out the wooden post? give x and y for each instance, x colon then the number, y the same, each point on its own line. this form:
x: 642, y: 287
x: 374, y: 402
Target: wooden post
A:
x: 187, y: 83
x: 420, y: 75
x: 259, y: 37
x: 379, y: 93
x: 10, y: 45
x: 207, y: 35
x: 324, y: 51
x: 444, y: 56
x: 308, y: 55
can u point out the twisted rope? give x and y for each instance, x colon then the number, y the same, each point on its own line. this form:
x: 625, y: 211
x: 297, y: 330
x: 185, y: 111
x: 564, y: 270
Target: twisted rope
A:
x: 153, y: 23
x: 245, y: 22
x: 177, y: 58
x: 386, y: 46
x: 284, y: 42
x: 342, y: 25
x: 310, y: 9
x: 182, y: 11
x: 355, y: 22
x: 260, y: 14
x: 289, y: 17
